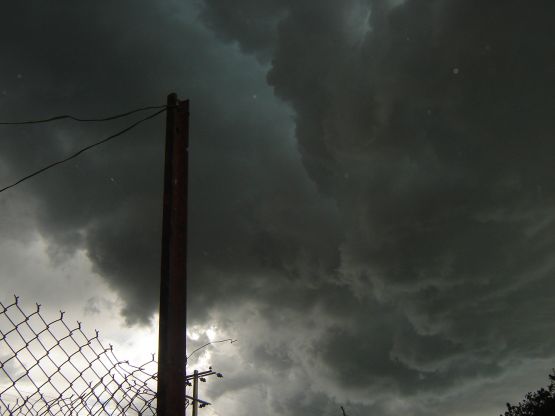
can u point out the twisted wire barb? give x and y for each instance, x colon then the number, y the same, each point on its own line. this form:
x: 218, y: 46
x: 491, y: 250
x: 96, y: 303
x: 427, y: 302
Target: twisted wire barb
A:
x: 48, y: 367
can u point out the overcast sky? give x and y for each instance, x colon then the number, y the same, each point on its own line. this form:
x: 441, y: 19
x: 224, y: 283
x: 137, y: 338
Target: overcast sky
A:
x: 371, y: 192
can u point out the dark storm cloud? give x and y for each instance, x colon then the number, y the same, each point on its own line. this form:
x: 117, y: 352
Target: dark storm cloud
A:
x: 254, y: 211
x: 430, y: 124
x: 404, y: 270
x: 253, y: 24
x: 79, y: 59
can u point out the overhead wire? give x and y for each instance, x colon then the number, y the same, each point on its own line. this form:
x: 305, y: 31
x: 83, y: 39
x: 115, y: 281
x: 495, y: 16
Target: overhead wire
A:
x: 230, y: 340
x: 84, y: 149
x: 70, y: 117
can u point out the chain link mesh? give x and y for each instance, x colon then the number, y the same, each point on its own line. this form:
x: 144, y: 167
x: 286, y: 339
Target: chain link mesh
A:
x: 48, y: 367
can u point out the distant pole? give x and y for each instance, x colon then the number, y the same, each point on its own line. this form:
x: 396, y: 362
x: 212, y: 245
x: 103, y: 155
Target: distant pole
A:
x: 195, y: 394
x: 172, y: 320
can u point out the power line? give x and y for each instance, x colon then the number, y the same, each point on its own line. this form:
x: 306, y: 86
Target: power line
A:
x: 84, y: 149
x: 70, y: 117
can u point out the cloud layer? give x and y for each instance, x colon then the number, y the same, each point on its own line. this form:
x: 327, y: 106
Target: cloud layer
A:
x: 379, y: 236
x: 429, y: 124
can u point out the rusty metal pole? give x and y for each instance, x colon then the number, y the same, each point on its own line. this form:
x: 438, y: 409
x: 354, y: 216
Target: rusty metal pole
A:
x: 195, y: 394
x: 172, y: 320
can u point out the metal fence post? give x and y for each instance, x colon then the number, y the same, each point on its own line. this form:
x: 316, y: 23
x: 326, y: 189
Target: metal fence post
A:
x: 172, y: 320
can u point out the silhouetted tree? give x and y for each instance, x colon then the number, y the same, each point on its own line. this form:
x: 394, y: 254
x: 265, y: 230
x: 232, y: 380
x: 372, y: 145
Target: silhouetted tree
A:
x: 539, y: 403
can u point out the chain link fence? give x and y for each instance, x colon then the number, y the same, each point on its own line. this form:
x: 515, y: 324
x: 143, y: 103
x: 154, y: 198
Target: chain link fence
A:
x: 48, y: 367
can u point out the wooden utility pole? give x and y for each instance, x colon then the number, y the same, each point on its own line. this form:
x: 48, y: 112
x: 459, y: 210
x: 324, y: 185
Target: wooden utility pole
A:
x: 196, y: 377
x: 195, y: 393
x: 173, y: 295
